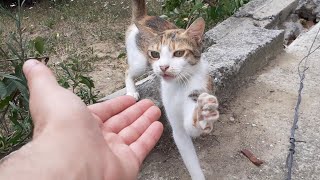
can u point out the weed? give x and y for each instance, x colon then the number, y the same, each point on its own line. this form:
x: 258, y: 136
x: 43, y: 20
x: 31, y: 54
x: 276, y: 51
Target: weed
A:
x: 183, y: 12
x: 71, y: 76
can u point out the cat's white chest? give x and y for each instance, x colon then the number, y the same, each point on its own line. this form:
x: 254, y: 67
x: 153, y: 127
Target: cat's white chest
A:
x: 173, y: 98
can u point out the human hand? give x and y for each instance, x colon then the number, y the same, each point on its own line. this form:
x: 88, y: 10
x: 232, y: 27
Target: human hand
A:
x: 108, y: 140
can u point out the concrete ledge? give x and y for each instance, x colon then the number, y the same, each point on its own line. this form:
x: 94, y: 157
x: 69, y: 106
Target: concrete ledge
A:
x: 267, y: 13
x: 235, y: 48
x: 239, y: 55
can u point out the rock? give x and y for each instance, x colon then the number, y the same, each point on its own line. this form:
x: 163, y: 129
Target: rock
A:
x: 292, y: 31
x: 309, y: 10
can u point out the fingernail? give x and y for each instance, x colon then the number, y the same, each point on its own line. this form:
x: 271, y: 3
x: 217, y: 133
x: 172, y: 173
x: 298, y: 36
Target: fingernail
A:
x: 28, y: 65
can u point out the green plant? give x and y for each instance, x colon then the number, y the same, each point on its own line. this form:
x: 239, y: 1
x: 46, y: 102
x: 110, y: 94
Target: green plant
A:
x: 183, y: 12
x: 15, y: 119
x: 70, y: 75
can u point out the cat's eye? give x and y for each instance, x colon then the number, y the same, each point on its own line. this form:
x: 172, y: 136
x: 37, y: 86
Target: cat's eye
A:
x: 179, y: 53
x: 154, y: 54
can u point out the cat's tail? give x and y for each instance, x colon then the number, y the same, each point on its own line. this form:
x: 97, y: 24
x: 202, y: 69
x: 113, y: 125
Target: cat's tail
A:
x: 138, y: 9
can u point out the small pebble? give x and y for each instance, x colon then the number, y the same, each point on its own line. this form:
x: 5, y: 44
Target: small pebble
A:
x: 253, y: 125
x: 231, y: 118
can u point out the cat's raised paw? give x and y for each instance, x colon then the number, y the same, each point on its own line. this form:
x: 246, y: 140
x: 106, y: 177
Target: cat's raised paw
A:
x: 135, y: 95
x: 207, y: 112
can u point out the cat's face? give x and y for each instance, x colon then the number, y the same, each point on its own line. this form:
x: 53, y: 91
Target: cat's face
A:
x: 174, y: 54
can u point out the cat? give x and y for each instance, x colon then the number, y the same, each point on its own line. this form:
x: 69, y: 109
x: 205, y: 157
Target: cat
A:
x: 175, y: 56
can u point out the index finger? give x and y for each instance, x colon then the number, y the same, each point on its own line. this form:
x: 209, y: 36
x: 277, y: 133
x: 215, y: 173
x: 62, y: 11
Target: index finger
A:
x: 107, y: 109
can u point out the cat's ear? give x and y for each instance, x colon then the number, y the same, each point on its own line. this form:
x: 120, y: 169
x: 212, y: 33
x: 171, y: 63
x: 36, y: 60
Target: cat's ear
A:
x: 145, y: 31
x: 196, y: 29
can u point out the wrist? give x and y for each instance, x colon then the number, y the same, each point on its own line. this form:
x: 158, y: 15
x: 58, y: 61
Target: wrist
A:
x: 54, y: 156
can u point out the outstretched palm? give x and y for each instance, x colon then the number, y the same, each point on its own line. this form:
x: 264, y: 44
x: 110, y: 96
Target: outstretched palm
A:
x: 131, y: 131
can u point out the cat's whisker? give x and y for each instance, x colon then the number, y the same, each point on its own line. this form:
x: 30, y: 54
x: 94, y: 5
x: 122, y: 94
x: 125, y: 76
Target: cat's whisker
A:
x: 180, y: 79
x: 187, y: 78
x: 184, y: 79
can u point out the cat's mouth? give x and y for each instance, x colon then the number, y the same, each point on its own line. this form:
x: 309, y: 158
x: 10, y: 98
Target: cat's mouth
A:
x: 167, y: 76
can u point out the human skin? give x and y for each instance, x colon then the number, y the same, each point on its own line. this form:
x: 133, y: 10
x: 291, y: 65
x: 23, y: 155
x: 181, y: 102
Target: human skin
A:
x: 108, y: 140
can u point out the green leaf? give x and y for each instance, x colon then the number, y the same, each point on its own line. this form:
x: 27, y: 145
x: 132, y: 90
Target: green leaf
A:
x: 121, y: 55
x: 87, y: 81
x: 22, y: 88
x: 15, y: 108
x: 196, y: 7
x: 5, y: 102
x: 64, y: 83
x: 10, y: 86
x: 10, y: 77
x: 3, y: 90
x: 14, y: 51
x: 39, y: 45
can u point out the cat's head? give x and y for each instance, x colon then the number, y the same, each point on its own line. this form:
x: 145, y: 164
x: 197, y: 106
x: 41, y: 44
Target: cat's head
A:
x: 175, y: 53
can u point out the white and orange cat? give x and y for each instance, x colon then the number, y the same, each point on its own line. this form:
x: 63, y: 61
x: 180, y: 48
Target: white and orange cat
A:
x: 175, y: 56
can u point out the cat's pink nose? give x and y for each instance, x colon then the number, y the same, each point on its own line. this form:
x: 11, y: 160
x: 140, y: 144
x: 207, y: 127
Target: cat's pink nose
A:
x: 164, y: 68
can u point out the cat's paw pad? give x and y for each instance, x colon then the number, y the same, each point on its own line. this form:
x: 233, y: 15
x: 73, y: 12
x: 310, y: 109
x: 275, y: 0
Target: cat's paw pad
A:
x: 134, y: 94
x: 207, y: 112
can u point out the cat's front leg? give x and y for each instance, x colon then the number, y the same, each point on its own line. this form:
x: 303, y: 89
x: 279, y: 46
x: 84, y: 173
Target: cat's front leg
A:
x: 188, y: 153
x: 137, y: 61
x: 201, y: 110
x: 137, y: 66
x: 130, y: 85
x: 206, y: 112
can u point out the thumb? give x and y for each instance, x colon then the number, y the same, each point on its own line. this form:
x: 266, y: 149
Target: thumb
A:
x: 38, y: 76
x: 42, y: 84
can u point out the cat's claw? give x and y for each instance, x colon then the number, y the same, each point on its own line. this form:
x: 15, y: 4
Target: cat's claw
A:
x: 207, y: 112
x: 134, y: 95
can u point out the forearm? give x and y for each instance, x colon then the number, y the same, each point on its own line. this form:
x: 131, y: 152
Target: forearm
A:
x: 58, y: 159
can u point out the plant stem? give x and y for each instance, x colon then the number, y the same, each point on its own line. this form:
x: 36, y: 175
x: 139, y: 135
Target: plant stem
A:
x: 4, y: 53
x: 20, y: 30
x: 3, y: 120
